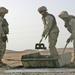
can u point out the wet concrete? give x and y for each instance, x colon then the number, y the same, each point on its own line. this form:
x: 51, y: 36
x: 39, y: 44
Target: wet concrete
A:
x: 39, y: 71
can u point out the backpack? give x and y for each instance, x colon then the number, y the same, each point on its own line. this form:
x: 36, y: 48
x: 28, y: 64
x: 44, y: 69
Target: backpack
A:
x: 5, y: 27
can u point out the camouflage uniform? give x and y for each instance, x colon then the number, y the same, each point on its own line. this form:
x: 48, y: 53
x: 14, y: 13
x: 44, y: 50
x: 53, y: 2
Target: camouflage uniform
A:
x: 70, y: 25
x: 3, y: 36
x: 50, y: 29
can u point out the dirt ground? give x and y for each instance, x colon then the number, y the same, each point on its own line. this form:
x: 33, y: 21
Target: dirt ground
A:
x: 13, y: 58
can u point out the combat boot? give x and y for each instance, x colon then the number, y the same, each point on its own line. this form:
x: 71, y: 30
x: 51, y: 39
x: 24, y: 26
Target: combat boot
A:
x: 2, y: 64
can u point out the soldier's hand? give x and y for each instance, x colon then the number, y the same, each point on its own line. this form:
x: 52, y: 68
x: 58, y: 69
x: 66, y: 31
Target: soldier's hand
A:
x: 43, y: 35
x: 68, y: 40
x: 4, y: 39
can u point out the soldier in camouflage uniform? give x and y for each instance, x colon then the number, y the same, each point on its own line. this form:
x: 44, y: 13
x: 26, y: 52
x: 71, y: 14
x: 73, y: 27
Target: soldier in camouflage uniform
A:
x: 70, y: 25
x: 50, y: 29
x: 3, y: 33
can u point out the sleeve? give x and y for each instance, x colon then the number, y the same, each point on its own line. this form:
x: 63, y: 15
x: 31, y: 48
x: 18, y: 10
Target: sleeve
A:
x: 1, y: 29
x: 49, y: 20
x: 72, y: 24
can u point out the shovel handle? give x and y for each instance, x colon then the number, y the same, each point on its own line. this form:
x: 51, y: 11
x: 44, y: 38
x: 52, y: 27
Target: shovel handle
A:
x: 41, y: 40
x: 65, y: 47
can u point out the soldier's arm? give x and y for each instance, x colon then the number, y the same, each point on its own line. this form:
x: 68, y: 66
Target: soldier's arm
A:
x: 48, y: 20
x: 72, y: 24
x: 1, y: 29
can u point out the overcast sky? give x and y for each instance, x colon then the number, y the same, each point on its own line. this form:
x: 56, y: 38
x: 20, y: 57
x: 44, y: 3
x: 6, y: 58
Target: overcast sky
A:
x: 26, y: 25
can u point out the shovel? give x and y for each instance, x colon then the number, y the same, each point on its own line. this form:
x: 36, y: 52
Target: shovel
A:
x: 41, y: 40
x: 65, y: 47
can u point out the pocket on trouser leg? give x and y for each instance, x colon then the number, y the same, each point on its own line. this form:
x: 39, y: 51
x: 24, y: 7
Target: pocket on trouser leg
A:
x: 52, y: 47
x: 1, y: 55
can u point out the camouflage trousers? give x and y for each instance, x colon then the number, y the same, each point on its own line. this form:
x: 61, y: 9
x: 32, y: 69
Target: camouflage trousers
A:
x: 74, y: 48
x: 52, y: 39
x: 2, y: 48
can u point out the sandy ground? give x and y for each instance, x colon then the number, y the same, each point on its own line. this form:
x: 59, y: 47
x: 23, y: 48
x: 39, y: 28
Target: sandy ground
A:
x: 16, y: 55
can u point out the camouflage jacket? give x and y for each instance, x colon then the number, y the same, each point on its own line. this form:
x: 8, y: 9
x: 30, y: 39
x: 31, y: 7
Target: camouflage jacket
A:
x: 1, y: 29
x: 70, y: 25
x: 50, y: 25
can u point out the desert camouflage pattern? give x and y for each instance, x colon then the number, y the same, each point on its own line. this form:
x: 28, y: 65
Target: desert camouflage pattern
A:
x: 70, y: 25
x: 3, y: 22
x: 53, y: 33
x: 2, y: 44
x: 2, y: 48
x: 1, y: 29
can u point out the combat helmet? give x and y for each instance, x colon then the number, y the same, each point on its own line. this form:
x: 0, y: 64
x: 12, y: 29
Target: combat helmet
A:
x: 3, y: 10
x: 42, y: 8
x: 63, y: 14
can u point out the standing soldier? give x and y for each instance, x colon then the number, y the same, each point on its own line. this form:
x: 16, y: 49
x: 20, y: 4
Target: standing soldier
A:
x: 3, y: 33
x: 50, y: 29
x: 70, y: 25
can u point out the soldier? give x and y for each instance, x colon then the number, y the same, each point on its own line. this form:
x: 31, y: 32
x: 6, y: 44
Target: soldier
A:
x: 70, y: 25
x: 4, y: 30
x: 50, y: 29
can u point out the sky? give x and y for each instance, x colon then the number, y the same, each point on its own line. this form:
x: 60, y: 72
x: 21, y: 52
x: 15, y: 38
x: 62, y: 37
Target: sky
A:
x: 25, y: 24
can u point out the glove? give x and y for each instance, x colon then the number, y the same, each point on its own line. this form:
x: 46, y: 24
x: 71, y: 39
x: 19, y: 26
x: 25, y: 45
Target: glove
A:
x: 68, y: 40
x: 43, y: 35
x: 4, y: 39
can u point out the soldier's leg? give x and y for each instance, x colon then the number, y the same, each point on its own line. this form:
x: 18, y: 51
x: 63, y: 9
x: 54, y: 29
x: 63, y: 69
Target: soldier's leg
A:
x: 4, y: 48
x: 2, y: 51
x: 52, y: 39
x: 1, y: 48
x: 74, y: 50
